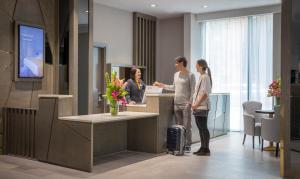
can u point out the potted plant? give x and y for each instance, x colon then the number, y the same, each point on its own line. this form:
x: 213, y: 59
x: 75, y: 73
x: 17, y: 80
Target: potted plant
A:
x: 115, y: 92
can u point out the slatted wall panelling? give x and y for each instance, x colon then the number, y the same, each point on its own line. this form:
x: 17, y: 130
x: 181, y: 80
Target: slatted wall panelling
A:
x: 144, y: 44
x: 19, y: 131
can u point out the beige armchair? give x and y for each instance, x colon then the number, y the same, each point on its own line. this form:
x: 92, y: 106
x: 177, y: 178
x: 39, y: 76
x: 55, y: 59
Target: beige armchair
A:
x: 270, y: 129
x: 252, y: 121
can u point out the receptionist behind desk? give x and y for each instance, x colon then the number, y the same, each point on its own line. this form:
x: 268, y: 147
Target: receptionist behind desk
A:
x: 135, y: 87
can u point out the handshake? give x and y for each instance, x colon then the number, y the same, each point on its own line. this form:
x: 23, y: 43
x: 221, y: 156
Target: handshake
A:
x: 161, y: 85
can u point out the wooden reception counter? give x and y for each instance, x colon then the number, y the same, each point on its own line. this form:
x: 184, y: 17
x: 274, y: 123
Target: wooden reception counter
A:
x: 76, y: 141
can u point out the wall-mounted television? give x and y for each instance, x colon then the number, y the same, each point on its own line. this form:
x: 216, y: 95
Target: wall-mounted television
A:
x: 30, y: 55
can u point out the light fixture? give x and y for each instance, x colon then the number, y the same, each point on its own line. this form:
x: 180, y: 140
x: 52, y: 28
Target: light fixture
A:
x: 87, y: 11
x: 205, y: 6
x: 153, y: 5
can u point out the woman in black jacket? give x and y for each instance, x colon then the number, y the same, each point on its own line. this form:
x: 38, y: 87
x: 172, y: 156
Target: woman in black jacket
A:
x: 135, y: 87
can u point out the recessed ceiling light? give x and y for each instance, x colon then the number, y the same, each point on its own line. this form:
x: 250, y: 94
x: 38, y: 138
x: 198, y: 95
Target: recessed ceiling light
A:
x: 205, y: 6
x: 87, y: 11
x: 153, y: 5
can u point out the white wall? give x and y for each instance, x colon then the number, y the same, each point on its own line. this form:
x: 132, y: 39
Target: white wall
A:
x: 169, y: 46
x: 192, y: 40
x: 114, y: 28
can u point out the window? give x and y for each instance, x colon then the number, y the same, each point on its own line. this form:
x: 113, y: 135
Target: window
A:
x: 239, y: 53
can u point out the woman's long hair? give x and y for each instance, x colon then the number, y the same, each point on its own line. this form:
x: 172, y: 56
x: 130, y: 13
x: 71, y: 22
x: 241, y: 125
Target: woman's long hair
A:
x: 204, y: 65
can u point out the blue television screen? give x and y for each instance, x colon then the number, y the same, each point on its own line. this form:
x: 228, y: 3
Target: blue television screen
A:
x: 31, y: 52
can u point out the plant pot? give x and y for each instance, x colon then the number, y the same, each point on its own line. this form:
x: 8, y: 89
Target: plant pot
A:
x: 114, y: 109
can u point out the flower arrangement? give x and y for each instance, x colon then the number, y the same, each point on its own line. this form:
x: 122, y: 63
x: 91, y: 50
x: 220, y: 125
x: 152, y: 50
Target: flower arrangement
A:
x: 115, y: 92
x: 274, y: 88
x: 275, y: 91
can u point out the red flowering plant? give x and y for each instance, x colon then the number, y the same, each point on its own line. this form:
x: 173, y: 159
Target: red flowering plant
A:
x: 274, y: 88
x: 115, y: 92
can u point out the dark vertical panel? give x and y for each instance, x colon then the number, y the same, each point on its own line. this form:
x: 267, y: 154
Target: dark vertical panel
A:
x: 150, y: 49
x: 135, y: 39
x: 144, y: 46
x: 5, y: 130
x: 17, y: 127
x: 140, y: 43
x: 14, y: 145
x: 27, y: 134
x: 154, y: 50
x: 152, y: 54
x: 10, y: 130
x: 24, y: 113
x: 19, y: 131
x: 143, y: 42
x: 147, y: 43
x: 31, y: 133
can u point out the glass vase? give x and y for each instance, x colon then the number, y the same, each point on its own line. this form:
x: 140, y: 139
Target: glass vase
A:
x: 114, y: 109
x: 277, y: 101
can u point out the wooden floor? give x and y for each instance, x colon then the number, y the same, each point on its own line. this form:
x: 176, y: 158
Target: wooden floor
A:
x: 229, y: 159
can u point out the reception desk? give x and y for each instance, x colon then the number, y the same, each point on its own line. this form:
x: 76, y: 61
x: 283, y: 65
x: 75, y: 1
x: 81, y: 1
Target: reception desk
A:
x: 163, y: 105
x: 78, y: 141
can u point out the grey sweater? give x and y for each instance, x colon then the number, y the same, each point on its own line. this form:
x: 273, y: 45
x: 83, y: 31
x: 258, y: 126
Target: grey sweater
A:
x: 184, y: 86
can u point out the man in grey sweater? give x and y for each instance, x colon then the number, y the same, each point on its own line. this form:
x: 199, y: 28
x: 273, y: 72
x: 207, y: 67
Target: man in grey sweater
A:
x: 184, y: 86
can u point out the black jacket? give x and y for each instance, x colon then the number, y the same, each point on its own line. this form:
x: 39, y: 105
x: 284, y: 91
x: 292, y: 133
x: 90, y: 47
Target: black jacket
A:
x: 134, y: 93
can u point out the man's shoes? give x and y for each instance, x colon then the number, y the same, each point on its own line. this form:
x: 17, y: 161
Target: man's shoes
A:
x: 187, y: 149
x: 204, y: 152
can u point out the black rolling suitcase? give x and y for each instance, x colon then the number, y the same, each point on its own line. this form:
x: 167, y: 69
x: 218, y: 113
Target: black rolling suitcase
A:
x: 176, y: 139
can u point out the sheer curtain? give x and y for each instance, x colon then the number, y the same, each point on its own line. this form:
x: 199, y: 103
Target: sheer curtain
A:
x: 239, y: 54
x: 260, y: 58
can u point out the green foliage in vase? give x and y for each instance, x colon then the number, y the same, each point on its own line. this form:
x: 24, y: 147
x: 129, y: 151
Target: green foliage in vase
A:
x: 115, y: 92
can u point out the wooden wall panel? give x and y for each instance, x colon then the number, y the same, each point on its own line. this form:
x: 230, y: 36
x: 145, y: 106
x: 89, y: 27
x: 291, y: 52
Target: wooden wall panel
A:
x: 39, y: 12
x: 8, y: 8
x: 47, y: 8
x: 6, y: 35
x: 144, y: 44
x: 28, y: 11
x: 286, y: 56
x: 19, y: 131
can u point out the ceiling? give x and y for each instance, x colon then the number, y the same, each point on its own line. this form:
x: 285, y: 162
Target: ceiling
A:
x: 171, y: 8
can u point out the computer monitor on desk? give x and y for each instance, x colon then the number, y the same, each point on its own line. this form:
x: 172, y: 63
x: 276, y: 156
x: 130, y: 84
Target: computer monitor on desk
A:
x: 151, y: 90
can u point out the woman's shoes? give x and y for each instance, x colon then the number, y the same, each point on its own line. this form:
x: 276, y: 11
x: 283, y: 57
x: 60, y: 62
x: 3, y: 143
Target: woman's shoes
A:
x: 198, y: 151
x: 203, y: 152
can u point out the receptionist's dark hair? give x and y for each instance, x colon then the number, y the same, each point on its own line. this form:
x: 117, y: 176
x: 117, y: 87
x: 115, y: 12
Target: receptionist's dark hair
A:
x: 181, y: 60
x: 133, y: 72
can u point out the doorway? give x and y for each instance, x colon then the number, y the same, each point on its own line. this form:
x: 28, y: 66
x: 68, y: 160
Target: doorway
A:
x: 99, y: 69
